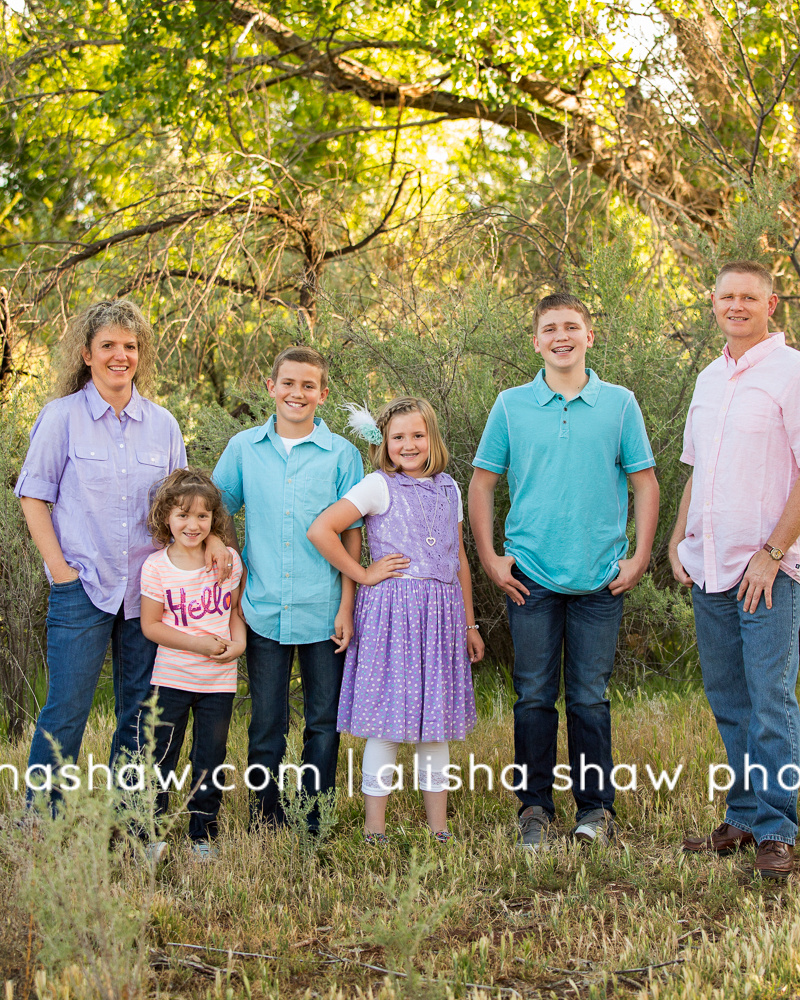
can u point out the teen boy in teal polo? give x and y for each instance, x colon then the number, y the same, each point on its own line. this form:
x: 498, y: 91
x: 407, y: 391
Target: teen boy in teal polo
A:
x: 568, y: 443
x: 286, y: 473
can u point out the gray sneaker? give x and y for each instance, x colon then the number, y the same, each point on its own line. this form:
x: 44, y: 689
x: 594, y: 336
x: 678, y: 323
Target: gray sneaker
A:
x: 596, y: 827
x: 533, y: 829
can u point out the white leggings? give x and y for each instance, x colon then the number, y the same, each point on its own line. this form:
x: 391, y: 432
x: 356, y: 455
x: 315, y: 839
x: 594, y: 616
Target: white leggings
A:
x: 379, y: 776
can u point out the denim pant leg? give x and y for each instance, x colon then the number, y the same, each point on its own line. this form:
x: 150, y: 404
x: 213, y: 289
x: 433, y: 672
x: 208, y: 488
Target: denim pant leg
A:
x: 77, y: 639
x: 269, y: 668
x: 321, y: 669
x: 756, y: 708
x: 133, y: 657
x: 174, y: 706
x: 719, y: 643
x: 211, y: 720
x: 537, y: 629
x: 593, y: 622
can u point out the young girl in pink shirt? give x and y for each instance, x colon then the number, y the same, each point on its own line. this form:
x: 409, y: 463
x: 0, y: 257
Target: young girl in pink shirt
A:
x: 200, y: 633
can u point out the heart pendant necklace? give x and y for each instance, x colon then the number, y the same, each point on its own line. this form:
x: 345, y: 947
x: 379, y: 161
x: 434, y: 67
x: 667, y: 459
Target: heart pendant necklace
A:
x: 430, y: 538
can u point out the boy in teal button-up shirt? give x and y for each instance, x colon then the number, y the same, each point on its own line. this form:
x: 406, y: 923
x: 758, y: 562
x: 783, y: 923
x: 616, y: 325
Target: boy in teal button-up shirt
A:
x: 286, y: 473
x: 568, y: 442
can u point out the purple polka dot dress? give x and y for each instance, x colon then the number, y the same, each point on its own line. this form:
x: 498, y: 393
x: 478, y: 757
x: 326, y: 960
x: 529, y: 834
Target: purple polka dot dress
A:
x: 407, y: 677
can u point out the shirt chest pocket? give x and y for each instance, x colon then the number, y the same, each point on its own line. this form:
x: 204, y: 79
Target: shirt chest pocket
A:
x: 318, y: 494
x: 92, y: 466
x: 150, y: 468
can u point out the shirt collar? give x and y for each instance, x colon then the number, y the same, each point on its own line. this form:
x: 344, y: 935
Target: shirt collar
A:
x: 321, y: 435
x: 98, y: 406
x: 543, y: 393
x: 756, y: 353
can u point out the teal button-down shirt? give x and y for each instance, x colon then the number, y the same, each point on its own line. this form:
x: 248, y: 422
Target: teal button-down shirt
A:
x: 292, y: 594
x: 567, y: 462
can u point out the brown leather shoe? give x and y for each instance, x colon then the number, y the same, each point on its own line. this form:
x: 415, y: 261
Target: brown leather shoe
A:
x: 774, y: 859
x: 723, y: 840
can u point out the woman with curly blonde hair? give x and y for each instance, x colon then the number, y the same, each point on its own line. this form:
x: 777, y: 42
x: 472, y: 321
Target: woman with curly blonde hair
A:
x: 96, y: 450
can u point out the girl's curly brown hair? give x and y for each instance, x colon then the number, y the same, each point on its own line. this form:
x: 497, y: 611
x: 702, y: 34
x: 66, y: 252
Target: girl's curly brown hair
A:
x: 73, y: 373
x: 180, y: 489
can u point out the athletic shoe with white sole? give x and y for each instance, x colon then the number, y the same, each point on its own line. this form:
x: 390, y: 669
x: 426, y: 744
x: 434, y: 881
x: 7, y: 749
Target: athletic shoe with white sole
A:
x: 532, y: 834
x: 596, y: 827
x: 156, y: 852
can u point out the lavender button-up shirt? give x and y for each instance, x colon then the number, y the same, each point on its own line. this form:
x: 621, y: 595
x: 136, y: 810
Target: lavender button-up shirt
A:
x: 97, y: 471
x: 743, y: 439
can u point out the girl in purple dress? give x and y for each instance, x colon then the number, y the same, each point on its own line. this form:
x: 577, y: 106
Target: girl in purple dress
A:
x: 407, y: 676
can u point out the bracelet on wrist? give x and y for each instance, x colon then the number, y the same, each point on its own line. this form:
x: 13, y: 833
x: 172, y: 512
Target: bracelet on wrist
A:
x: 476, y: 627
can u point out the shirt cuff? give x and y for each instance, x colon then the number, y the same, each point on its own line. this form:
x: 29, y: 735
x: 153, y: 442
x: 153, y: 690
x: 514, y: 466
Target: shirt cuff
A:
x: 639, y: 466
x: 36, y: 489
x: 482, y: 463
x: 687, y: 458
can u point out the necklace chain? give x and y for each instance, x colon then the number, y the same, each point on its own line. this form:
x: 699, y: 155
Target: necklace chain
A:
x: 430, y: 538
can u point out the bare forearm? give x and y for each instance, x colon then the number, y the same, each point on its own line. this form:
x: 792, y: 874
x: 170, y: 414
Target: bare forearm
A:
x: 40, y: 524
x: 328, y: 543
x: 172, y: 638
x: 238, y: 627
x: 465, y: 579
x: 351, y: 542
x: 481, y: 517
x: 645, y: 516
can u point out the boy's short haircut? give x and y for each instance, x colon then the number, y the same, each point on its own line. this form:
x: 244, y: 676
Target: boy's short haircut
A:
x: 746, y: 267
x: 560, y: 300
x: 304, y: 356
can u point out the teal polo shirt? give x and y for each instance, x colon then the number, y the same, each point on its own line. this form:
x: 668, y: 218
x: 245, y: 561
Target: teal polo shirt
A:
x: 292, y: 593
x: 567, y: 463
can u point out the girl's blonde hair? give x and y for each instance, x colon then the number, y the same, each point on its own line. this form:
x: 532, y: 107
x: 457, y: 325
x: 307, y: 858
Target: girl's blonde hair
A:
x: 438, y: 456
x: 73, y: 372
x: 180, y: 489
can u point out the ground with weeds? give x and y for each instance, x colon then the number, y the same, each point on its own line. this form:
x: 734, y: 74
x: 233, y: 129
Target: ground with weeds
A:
x: 286, y: 916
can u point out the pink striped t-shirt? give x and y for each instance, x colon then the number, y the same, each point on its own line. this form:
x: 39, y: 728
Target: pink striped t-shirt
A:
x: 196, y: 603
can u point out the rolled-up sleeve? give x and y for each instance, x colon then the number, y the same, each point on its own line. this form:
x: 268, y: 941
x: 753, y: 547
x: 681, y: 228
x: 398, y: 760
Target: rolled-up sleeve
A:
x: 177, y: 449
x: 47, y: 455
x: 227, y: 475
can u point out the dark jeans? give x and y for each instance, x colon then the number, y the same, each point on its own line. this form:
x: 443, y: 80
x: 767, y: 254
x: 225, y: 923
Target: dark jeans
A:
x: 749, y: 664
x: 585, y: 628
x: 269, y: 666
x: 211, y: 717
x: 78, y: 634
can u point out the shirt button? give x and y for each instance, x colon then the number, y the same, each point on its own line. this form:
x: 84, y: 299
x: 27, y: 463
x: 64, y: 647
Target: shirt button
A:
x: 287, y: 574
x: 91, y: 453
x: 286, y: 607
x: 124, y: 524
x: 565, y: 409
x: 122, y: 446
x: 288, y: 544
x: 124, y: 470
x: 124, y: 552
x: 124, y: 578
x: 124, y: 498
x: 288, y: 480
x: 288, y: 512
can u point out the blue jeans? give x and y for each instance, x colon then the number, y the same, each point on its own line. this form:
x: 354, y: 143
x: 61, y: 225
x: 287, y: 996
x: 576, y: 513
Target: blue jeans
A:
x: 584, y: 627
x: 749, y: 664
x: 269, y: 667
x: 78, y: 634
x: 211, y: 718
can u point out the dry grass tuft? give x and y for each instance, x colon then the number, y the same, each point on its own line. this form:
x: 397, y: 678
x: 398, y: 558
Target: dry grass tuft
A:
x: 338, y: 919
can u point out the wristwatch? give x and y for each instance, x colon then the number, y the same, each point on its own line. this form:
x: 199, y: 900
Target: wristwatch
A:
x: 776, y: 553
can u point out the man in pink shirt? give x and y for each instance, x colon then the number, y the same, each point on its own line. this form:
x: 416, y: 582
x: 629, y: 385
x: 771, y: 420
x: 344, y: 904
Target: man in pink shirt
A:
x: 735, y: 543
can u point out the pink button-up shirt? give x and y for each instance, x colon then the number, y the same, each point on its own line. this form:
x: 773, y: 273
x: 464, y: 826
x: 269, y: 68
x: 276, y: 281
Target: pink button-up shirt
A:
x: 743, y: 438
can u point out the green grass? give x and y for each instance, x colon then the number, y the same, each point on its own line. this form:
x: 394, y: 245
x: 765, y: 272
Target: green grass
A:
x: 569, y: 922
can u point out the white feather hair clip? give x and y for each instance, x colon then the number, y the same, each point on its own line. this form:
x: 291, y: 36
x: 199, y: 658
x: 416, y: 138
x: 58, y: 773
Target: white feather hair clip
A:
x: 362, y: 423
